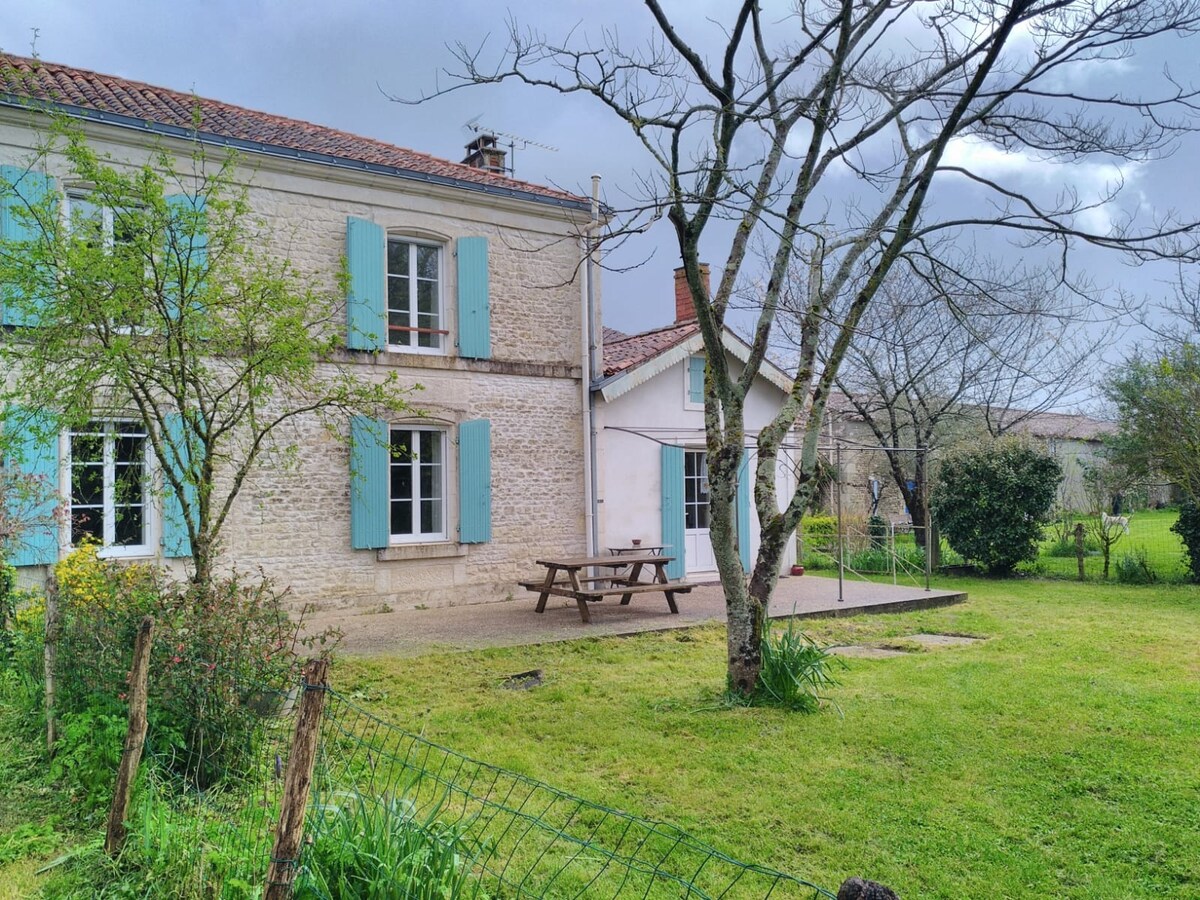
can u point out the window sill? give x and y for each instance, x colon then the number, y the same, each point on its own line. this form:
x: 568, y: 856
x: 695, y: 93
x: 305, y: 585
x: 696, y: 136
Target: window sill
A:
x: 441, y: 549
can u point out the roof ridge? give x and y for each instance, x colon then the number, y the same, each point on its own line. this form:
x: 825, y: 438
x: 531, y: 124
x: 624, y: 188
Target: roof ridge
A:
x: 169, y: 94
x: 641, y: 334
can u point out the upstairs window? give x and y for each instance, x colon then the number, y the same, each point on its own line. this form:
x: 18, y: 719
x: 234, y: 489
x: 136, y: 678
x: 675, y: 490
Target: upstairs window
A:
x: 112, y: 232
x: 415, y: 317
x: 109, y: 477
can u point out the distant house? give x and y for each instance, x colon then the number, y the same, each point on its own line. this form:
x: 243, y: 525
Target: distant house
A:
x: 443, y: 289
x: 651, y: 443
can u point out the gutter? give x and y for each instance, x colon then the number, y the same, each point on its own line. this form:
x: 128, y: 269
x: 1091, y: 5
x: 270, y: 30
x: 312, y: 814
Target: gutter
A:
x: 206, y: 137
x: 588, y: 333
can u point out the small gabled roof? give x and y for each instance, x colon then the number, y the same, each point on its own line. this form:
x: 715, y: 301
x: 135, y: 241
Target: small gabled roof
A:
x: 632, y: 350
x: 123, y: 102
x: 635, y: 359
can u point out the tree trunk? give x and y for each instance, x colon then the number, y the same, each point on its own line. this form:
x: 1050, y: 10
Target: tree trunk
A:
x: 744, y: 615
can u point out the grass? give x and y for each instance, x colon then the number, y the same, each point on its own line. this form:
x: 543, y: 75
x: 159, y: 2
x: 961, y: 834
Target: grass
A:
x: 1055, y: 759
x: 1149, y: 531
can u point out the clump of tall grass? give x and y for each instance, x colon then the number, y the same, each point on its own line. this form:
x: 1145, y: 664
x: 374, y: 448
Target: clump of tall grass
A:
x: 795, y: 671
x: 369, y: 849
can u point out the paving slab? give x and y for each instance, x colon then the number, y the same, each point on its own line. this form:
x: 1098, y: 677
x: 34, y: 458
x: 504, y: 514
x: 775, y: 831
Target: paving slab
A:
x: 412, y: 632
x: 943, y: 640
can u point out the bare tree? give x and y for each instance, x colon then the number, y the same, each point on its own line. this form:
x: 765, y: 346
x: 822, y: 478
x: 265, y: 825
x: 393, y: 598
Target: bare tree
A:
x: 826, y: 133
x: 979, y: 350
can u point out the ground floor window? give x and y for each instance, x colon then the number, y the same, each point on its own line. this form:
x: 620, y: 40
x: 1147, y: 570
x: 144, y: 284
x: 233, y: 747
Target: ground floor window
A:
x: 417, y: 491
x: 109, y: 475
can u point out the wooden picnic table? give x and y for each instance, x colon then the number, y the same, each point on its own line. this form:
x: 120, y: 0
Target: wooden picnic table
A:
x: 564, y: 578
x: 652, y: 549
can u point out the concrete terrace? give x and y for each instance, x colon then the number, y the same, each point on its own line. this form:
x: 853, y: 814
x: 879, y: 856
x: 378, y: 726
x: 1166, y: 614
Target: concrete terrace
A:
x: 472, y: 627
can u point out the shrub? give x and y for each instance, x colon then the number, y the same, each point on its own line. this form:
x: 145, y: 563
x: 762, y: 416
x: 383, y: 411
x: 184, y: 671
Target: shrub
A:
x: 221, y: 658
x: 8, y: 608
x: 1064, y: 548
x: 1188, y: 528
x: 877, y: 530
x: 1134, y: 568
x: 993, y: 501
x: 795, y: 671
x: 819, y: 531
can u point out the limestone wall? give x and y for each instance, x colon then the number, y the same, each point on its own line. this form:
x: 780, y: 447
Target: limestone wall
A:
x: 293, y: 521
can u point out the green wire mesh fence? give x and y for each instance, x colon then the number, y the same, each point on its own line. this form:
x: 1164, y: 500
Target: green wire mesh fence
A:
x: 214, y: 834
x: 395, y: 815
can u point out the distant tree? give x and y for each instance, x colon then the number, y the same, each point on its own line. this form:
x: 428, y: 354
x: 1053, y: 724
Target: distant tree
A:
x: 158, y: 296
x: 978, y: 352
x: 1157, y: 399
x: 993, y: 501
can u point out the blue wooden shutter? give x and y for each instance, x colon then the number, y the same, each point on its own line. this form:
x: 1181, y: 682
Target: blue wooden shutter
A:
x: 475, y: 482
x: 672, y: 510
x: 20, y: 189
x: 190, y: 240
x: 370, y: 443
x: 695, y: 379
x: 743, y: 510
x: 474, y: 313
x: 366, y: 312
x: 176, y: 541
x: 34, y: 452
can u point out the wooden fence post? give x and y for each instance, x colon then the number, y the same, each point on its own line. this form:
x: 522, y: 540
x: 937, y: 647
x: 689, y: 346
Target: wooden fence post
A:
x: 50, y: 663
x: 296, y: 782
x: 1079, y: 548
x: 135, y: 738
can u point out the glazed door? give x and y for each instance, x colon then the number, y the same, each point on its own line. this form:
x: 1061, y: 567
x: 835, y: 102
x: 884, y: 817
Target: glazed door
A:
x: 697, y: 543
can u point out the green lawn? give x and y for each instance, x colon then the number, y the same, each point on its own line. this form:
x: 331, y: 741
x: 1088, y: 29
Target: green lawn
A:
x: 1059, y: 758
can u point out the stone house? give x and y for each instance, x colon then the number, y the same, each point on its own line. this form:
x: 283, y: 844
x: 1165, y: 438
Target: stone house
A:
x: 444, y: 289
x: 649, y: 402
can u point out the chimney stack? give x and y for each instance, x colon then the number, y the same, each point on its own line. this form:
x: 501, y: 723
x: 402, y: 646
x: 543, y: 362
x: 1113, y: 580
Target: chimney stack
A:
x: 685, y: 310
x: 485, y: 153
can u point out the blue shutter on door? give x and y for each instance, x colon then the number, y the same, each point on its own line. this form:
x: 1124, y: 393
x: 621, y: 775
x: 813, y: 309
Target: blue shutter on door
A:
x: 33, y: 451
x: 176, y: 540
x: 369, y: 457
x: 20, y: 189
x: 366, y: 311
x: 695, y: 379
x: 188, y: 246
x: 474, y: 313
x: 743, y: 510
x: 475, y: 482
x: 672, y: 510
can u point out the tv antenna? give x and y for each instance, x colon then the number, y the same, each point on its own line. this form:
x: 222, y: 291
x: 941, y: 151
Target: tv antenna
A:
x: 511, y: 141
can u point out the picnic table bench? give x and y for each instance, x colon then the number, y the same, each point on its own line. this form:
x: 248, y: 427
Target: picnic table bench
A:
x: 564, y: 579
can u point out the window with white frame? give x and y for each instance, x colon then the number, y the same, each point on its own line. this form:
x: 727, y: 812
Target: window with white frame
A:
x: 417, y: 490
x: 415, y: 315
x: 113, y: 231
x: 109, y: 485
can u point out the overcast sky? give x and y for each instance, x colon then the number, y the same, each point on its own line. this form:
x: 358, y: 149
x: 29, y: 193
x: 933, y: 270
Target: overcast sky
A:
x: 322, y: 62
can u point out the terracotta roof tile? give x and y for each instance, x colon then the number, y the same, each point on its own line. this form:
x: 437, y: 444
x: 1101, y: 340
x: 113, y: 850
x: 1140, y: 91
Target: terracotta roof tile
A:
x: 55, y: 83
x: 633, y: 350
